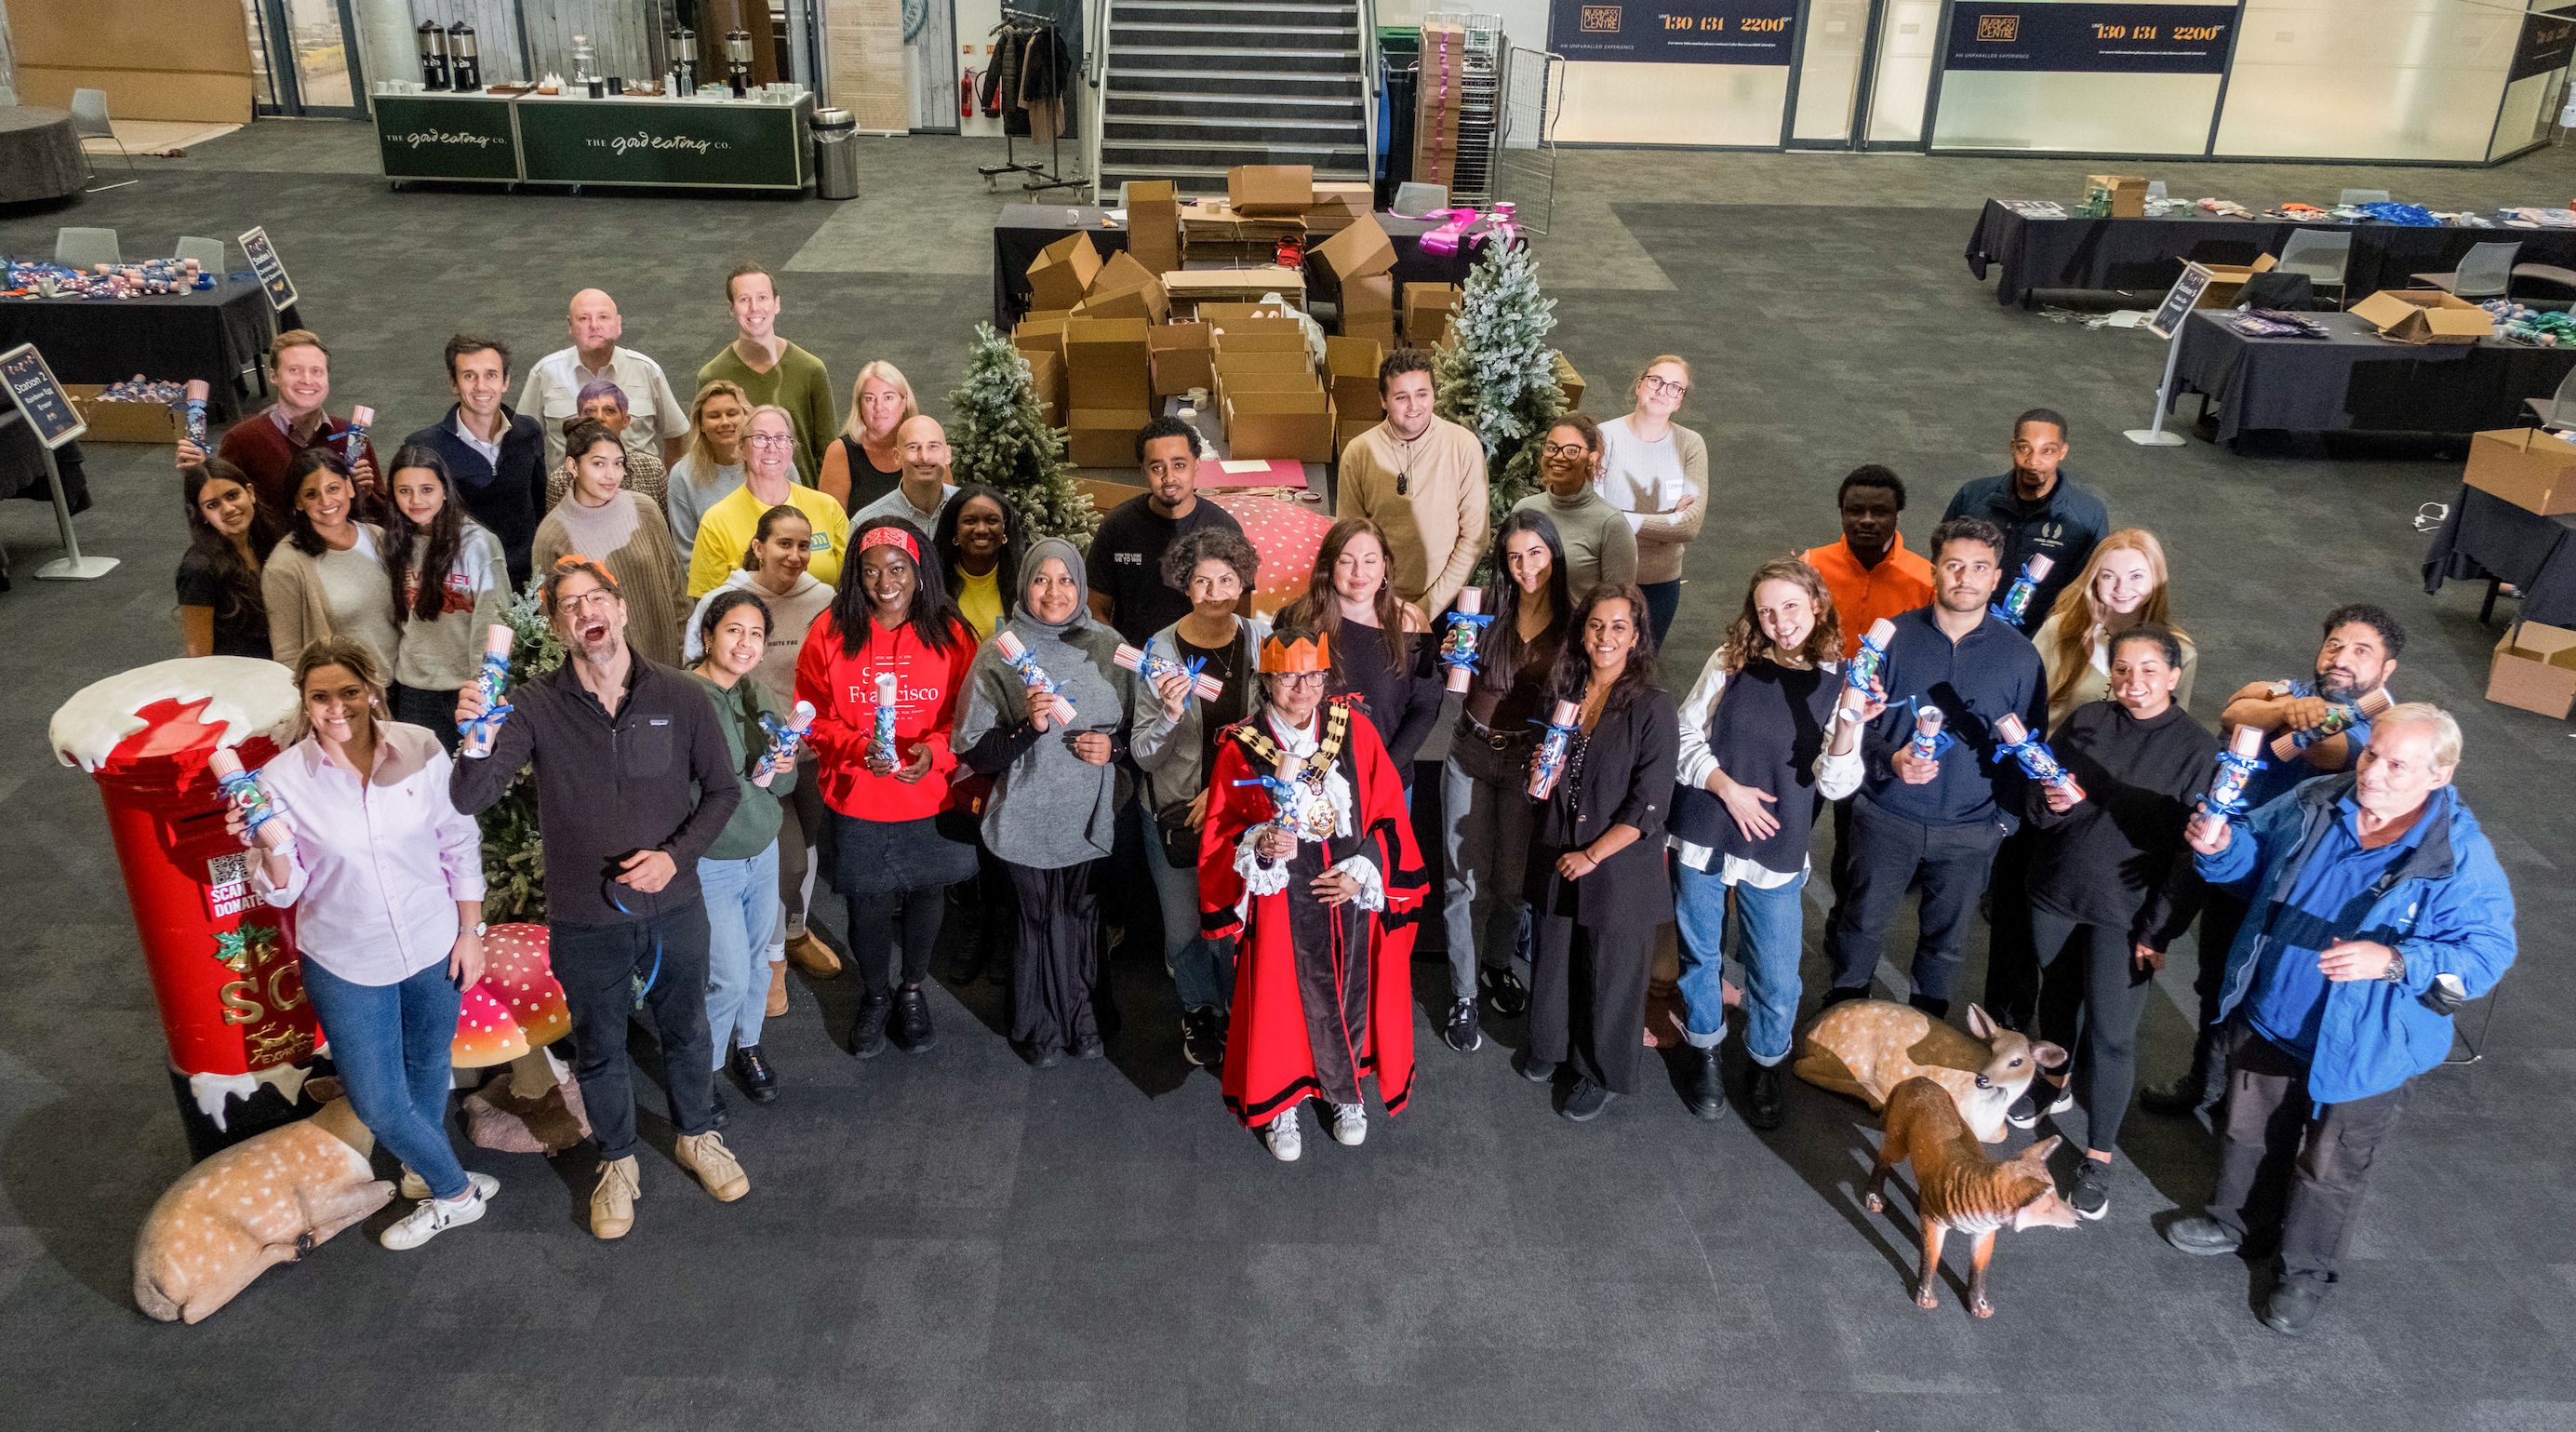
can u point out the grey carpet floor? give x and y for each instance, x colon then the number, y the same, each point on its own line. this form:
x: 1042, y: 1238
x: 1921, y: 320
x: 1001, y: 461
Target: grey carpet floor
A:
x: 953, y: 1241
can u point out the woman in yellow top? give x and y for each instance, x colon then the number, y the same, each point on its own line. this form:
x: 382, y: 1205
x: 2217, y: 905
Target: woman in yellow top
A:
x: 979, y: 541
x: 769, y: 480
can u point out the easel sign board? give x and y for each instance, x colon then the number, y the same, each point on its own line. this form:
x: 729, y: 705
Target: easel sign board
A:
x: 2180, y: 300
x: 48, y: 409
x: 270, y: 268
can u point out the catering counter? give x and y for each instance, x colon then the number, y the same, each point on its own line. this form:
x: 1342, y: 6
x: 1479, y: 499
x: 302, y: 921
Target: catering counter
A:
x: 634, y: 141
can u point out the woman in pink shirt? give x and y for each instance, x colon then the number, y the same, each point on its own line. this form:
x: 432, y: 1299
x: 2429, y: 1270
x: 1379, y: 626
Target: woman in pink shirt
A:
x: 385, y: 878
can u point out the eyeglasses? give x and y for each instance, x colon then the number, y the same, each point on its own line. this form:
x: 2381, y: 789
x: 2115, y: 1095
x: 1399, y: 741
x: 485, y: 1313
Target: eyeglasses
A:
x: 1566, y: 452
x: 1297, y: 679
x: 1666, y: 385
x: 585, y: 601
x: 772, y: 440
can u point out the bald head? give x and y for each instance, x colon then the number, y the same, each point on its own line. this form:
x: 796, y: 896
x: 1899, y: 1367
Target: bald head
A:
x: 924, y: 445
x: 595, y: 326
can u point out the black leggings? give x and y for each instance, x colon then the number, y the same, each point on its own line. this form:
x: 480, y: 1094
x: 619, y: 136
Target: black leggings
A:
x: 2104, y: 980
x: 879, y: 923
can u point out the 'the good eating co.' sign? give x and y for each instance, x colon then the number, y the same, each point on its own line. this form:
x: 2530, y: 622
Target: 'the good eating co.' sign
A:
x: 581, y: 142
x: 2090, y: 39
x: 1689, y: 32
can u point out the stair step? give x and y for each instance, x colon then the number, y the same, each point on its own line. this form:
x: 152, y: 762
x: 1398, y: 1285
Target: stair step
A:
x: 1193, y: 181
x: 1287, y: 109
x: 1236, y: 58
x: 1194, y: 39
x: 1234, y: 83
x: 1221, y: 156
x: 1138, y: 128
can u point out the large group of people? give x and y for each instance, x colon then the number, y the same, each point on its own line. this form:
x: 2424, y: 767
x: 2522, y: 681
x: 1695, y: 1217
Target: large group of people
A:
x: 981, y: 745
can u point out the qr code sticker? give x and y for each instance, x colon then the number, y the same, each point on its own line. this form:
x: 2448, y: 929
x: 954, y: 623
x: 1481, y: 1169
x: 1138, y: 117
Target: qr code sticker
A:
x: 232, y: 869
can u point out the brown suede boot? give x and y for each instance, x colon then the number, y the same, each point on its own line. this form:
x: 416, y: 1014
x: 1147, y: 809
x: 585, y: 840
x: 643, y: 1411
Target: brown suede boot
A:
x: 777, y: 989
x: 612, y: 1203
x: 813, y: 956
x: 706, y: 1156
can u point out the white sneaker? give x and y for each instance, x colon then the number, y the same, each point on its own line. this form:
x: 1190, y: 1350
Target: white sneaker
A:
x: 432, y: 1217
x: 416, y: 1188
x: 1283, y: 1138
x: 1350, y: 1124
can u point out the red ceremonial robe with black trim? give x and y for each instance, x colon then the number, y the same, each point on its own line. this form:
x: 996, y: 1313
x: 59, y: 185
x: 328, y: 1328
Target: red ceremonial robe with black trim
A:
x: 1304, y: 974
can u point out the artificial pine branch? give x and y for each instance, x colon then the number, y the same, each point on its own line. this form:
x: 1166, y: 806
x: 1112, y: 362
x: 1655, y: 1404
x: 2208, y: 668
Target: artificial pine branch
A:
x: 1002, y: 440
x: 1496, y: 374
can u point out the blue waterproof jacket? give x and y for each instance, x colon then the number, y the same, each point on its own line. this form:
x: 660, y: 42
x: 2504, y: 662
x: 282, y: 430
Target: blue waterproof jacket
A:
x: 2445, y: 906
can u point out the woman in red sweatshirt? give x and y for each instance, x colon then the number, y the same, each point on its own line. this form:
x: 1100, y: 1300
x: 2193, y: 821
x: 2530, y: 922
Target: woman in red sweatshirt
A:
x: 900, y: 845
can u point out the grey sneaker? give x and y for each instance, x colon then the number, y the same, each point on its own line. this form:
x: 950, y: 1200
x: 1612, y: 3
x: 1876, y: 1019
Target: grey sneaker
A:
x: 1350, y: 1124
x: 1283, y: 1137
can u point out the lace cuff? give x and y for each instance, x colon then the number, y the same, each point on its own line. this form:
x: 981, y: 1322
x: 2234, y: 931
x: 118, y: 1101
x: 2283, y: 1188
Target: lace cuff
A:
x: 1260, y: 877
x: 1372, y: 891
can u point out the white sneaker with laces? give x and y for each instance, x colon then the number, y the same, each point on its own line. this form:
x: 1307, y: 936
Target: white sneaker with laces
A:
x: 1283, y: 1137
x: 1350, y: 1124
x: 431, y: 1218
x: 415, y: 1187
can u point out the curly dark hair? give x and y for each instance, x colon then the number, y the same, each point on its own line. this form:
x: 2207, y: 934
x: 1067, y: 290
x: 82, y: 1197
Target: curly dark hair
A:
x: 1015, y: 535
x: 1218, y: 544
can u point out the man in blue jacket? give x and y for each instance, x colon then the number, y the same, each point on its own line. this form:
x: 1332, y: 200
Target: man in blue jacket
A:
x: 2377, y: 909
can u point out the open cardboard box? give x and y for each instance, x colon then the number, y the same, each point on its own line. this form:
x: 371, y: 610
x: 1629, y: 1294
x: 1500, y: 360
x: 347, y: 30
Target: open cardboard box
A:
x: 1569, y: 384
x: 1294, y: 425
x: 2424, y: 315
x: 1041, y: 333
x: 1426, y: 313
x: 2526, y: 467
x: 2128, y: 193
x: 109, y: 422
x: 2228, y: 280
x: 2535, y: 670
x: 1259, y: 190
x: 1108, y: 362
x: 1222, y: 314
x: 1105, y: 437
x: 1190, y: 287
x: 1359, y: 251
x: 1350, y: 367
x: 1183, y: 357
x: 1125, y: 288
x: 1046, y: 380
x: 1062, y: 272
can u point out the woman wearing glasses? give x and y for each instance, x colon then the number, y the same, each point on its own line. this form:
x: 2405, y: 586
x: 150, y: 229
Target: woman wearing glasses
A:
x: 768, y: 480
x: 1599, y: 547
x: 1657, y: 473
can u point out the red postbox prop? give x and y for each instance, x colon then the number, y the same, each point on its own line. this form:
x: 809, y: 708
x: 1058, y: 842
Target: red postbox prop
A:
x: 241, y: 1033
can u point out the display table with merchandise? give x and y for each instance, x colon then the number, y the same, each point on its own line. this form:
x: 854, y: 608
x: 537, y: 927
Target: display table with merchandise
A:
x: 631, y: 141
x: 2353, y: 380
x: 219, y: 334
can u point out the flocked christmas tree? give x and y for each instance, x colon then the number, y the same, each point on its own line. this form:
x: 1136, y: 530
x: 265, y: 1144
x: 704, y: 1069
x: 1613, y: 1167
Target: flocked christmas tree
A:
x: 1496, y: 375
x: 1002, y: 439
x: 514, y: 860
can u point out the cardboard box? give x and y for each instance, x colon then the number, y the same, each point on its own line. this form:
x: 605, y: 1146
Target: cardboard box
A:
x: 2424, y: 315
x: 1041, y: 333
x: 1062, y: 272
x: 1359, y: 251
x: 1377, y: 328
x: 1046, y: 380
x: 1190, y: 287
x: 1338, y: 206
x: 1350, y: 370
x: 2126, y: 194
x: 1347, y: 431
x: 1223, y: 313
x: 2228, y: 280
x: 1154, y: 224
x: 2526, y: 467
x: 1295, y: 425
x: 1368, y: 309
x: 151, y: 423
x: 1105, y: 437
x: 1125, y: 288
x: 1105, y: 494
x: 1108, y: 364
x: 1183, y: 357
x: 1426, y: 313
x: 2535, y: 670
x: 1569, y: 384
x: 1261, y: 335
x: 1258, y: 190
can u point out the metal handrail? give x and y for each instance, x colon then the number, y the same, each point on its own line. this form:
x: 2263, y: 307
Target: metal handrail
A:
x: 1096, y: 71
x: 1369, y: 81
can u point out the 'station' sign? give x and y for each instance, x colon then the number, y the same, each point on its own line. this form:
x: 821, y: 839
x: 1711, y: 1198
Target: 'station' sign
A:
x: 2090, y: 39
x: 47, y: 408
x: 1689, y: 32
x: 270, y: 268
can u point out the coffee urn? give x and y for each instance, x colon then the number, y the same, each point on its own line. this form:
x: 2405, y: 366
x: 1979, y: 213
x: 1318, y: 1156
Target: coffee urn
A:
x: 738, y: 61
x: 684, y: 61
x: 433, y: 56
x: 463, y: 60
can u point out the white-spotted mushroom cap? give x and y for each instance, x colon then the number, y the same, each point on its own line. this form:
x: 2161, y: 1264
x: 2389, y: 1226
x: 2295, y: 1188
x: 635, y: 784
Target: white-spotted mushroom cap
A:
x: 517, y: 1006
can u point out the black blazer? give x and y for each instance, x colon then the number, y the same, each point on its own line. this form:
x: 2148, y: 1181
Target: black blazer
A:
x: 1621, y: 774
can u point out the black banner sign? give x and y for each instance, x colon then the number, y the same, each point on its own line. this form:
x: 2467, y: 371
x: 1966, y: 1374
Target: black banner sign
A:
x: 1686, y: 32
x: 2090, y: 39
x: 2548, y: 43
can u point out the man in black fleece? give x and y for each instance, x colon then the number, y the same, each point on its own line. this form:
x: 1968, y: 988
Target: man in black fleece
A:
x: 2111, y: 884
x: 634, y: 781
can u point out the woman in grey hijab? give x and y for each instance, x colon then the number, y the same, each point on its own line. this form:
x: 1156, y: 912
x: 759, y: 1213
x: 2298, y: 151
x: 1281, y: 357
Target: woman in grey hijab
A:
x: 1046, y: 719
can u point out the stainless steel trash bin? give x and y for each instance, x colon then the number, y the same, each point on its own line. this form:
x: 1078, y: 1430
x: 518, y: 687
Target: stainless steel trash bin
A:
x: 836, y: 154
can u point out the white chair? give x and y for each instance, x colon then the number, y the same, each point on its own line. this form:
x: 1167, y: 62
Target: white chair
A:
x: 90, y: 121
x: 2319, y: 255
x: 210, y: 254
x: 1414, y: 200
x: 2364, y: 196
x: 2486, y: 272
x: 85, y: 248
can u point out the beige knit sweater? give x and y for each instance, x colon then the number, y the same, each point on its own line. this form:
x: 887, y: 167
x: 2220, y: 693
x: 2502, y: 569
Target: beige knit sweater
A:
x: 630, y: 538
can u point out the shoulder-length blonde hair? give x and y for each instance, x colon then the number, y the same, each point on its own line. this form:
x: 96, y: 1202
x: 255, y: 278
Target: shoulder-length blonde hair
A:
x: 1746, y: 642
x: 700, y: 458
x: 855, y: 429
x: 357, y: 658
x: 2070, y: 652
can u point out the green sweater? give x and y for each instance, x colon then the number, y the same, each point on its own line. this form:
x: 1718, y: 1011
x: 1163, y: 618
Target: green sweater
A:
x: 796, y: 382
x: 755, y: 821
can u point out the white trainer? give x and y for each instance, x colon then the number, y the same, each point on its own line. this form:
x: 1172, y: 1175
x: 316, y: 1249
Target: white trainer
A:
x: 1283, y: 1138
x: 432, y: 1217
x: 1350, y: 1124
x: 415, y: 1187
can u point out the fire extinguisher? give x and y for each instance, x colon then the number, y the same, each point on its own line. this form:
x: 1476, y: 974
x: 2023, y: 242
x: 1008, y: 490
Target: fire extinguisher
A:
x: 966, y: 95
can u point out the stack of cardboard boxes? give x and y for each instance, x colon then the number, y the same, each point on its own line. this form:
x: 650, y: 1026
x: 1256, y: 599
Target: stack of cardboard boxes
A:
x: 1427, y: 307
x: 1110, y: 387
x: 1350, y: 366
x: 1361, y: 261
x: 2535, y: 664
x: 1435, y: 106
x: 1154, y: 225
x: 1271, y: 401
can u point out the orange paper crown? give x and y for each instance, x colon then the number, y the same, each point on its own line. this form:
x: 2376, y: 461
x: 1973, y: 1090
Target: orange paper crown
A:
x: 1306, y: 653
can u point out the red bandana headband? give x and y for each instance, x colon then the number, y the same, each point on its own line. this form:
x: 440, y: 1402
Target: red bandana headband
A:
x: 891, y: 537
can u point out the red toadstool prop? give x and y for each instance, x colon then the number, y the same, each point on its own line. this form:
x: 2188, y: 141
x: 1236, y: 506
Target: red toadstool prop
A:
x: 509, y: 1017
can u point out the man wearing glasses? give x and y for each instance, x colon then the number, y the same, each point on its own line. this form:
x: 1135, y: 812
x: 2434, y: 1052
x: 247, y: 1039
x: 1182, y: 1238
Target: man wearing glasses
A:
x: 2039, y: 509
x: 923, y: 491
x: 634, y: 782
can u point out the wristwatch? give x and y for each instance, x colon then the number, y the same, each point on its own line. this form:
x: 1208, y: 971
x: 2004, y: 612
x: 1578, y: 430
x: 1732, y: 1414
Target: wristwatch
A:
x: 2396, y: 968
x: 480, y: 928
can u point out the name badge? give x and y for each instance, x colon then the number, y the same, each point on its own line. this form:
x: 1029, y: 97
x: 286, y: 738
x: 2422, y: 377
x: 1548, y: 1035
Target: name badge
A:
x: 819, y: 542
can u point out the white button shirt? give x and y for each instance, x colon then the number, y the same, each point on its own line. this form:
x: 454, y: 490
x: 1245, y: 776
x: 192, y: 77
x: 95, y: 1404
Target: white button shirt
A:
x: 378, y: 865
x: 553, y: 391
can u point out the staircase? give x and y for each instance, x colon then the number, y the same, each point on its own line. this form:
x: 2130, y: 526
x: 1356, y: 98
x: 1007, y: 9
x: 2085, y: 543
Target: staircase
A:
x: 1196, y: 87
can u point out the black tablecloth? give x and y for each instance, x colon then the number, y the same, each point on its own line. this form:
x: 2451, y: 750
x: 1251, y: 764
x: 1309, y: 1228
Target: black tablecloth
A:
x: 2145, y: 254
x: 40, y: 154
x: 2486, y: 536
x: 1023, y: 229
x: 219, y: 334
x: 2354, y: 380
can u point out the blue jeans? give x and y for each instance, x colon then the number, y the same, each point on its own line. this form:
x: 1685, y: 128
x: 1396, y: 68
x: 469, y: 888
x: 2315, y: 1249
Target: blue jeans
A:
x: 742, y: 908
x: 1202, y: 969
x: 1766, y: 933
x: 390, y: 1043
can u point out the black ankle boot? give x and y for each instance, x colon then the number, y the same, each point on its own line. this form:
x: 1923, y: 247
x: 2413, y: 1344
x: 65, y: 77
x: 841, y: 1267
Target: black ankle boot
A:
x: 1707, y: 1085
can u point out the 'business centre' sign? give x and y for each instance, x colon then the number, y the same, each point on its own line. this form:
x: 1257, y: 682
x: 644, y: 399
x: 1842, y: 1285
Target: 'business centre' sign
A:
x: 2090, y: 39
x: 1687, y: 32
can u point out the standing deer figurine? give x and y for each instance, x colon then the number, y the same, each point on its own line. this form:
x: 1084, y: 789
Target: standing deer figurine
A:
x: 1955, y: 1187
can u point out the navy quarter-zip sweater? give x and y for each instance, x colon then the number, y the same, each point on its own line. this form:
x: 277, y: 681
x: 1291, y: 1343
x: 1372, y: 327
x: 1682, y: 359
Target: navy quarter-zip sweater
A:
x: 1990, y: 672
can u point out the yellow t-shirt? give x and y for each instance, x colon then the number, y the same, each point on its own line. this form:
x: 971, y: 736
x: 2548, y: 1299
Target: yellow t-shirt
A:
x: 979, y: 600
x: 724, y: 534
